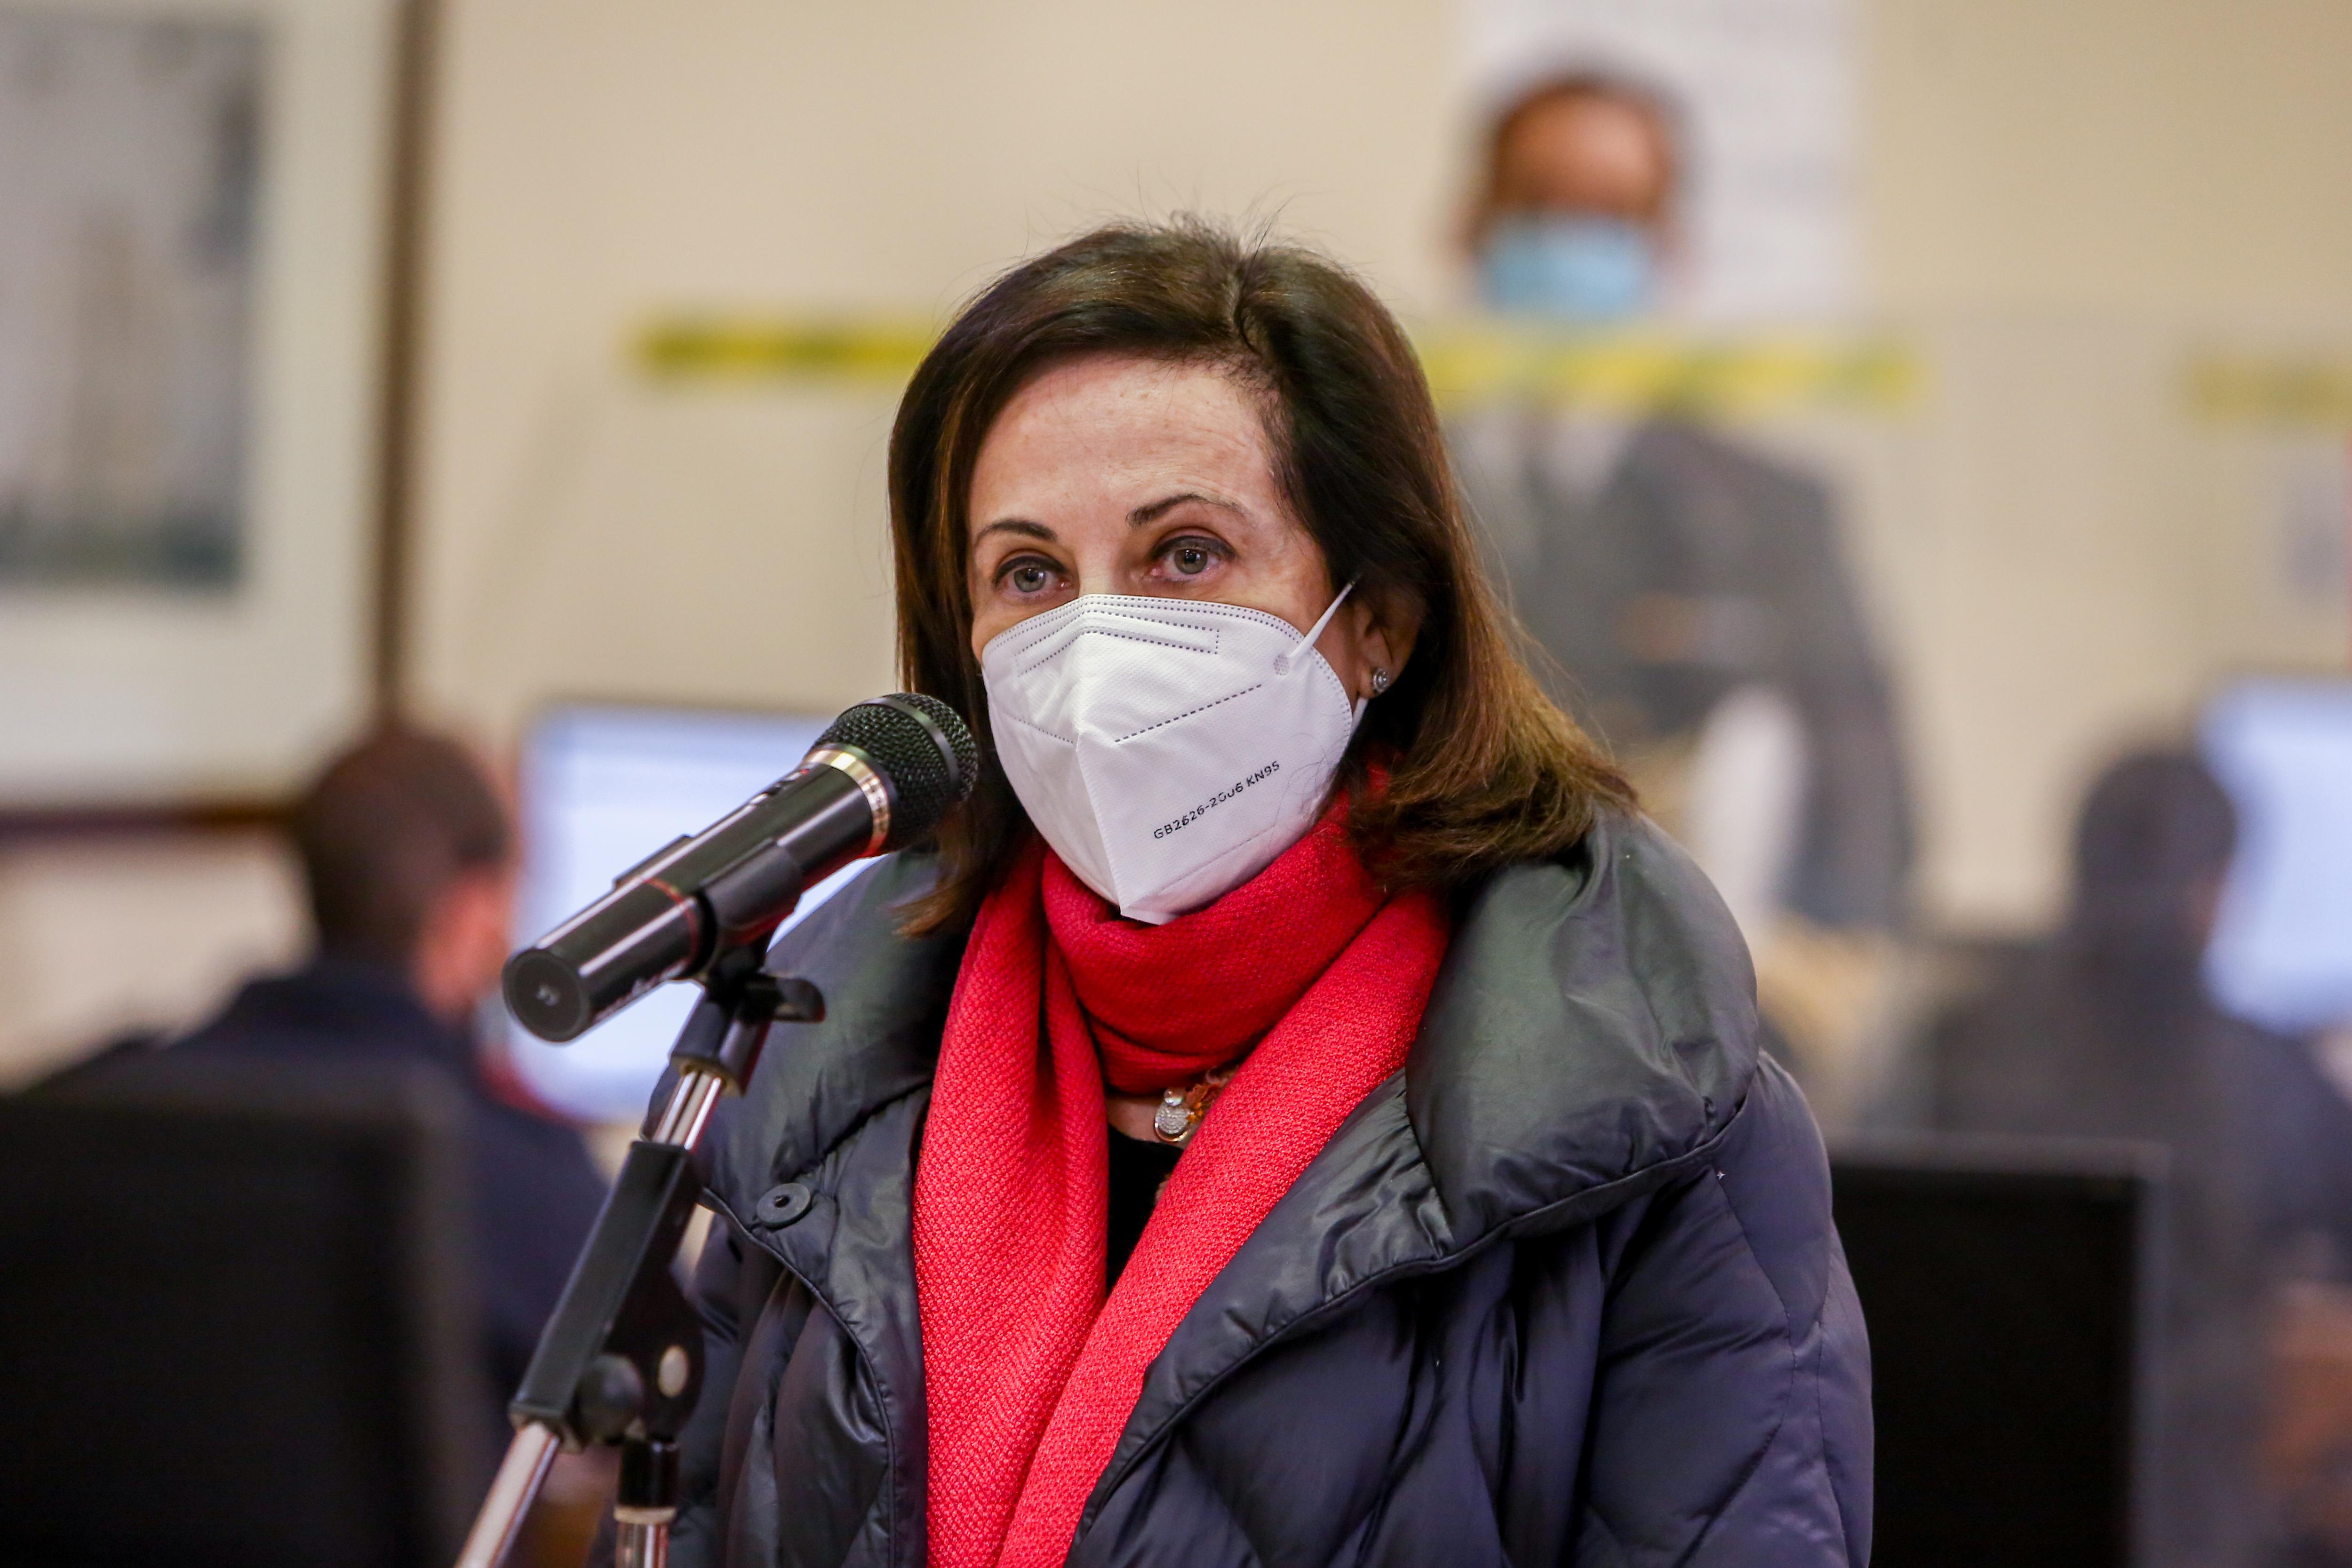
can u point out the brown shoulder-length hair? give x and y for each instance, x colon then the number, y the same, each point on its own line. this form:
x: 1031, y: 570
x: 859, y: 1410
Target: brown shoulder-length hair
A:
x: 1482, y: 769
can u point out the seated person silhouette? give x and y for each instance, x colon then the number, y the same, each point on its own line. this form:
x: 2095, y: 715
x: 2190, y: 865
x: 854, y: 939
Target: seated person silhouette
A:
x: 2107, y: 1029
x: 409, y: 857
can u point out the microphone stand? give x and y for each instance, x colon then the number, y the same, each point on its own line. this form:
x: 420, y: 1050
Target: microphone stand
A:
x: 621, y: 1359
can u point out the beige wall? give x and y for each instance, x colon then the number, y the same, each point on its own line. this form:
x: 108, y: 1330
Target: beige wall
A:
x: 2063, y: 200
x: 2171, y: 157
x: 604, y: 159
x: 99, y: 938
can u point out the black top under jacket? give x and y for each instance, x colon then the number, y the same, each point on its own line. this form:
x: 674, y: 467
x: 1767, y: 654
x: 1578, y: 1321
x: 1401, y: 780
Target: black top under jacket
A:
x: 1564, y: 1290
x: 1138, y: 1171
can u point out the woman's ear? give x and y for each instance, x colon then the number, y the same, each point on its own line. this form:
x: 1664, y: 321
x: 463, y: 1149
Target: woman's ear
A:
x: 1383, y: 635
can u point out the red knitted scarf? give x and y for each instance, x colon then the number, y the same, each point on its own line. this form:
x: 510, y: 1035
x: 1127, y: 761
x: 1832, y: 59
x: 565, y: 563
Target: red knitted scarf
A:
x: 1031, y: 1373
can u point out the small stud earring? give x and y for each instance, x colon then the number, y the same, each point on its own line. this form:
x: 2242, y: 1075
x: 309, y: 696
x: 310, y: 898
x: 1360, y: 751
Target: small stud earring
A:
x: 1380, y: 680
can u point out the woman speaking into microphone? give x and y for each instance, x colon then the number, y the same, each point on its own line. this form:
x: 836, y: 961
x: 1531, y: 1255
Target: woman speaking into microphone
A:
x: 1300, y: 1113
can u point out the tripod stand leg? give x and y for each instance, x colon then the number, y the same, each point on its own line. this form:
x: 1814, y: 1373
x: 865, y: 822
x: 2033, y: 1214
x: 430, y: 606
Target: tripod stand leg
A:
x: 620, y: 1353
x: 517, y: 1481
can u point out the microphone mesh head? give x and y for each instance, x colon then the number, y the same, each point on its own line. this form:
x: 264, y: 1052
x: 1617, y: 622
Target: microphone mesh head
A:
x: 923, y: 747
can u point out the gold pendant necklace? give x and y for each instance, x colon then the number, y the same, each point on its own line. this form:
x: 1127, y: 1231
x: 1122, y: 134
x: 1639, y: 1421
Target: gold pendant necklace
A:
x: 1176, y: 1115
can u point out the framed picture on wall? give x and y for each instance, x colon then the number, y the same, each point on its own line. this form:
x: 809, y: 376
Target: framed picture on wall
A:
x: 193, y: 228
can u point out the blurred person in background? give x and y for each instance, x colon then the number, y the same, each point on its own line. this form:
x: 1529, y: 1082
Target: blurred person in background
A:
x: 2107, y: 1029
x: 1691, y: 594
x: 409, y: 855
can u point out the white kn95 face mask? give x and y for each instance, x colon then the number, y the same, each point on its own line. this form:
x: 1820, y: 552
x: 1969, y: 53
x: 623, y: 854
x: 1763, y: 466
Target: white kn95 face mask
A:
x: 1168, y: 748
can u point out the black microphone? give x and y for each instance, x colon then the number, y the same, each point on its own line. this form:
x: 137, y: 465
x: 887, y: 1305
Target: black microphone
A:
x: 881, y: 777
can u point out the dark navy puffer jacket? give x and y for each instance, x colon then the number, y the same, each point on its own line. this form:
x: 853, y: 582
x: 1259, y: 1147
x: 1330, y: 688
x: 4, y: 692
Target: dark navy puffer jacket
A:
x: 1565, y: 1291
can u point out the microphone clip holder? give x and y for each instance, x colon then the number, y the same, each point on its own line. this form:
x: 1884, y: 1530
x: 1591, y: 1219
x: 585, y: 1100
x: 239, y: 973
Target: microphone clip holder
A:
x: 621, y: 1359
x: 728, y: 1029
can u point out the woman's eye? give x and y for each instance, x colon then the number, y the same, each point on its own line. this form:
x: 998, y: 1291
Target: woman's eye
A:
x: 1191, y: 561
x: 1029, y: 577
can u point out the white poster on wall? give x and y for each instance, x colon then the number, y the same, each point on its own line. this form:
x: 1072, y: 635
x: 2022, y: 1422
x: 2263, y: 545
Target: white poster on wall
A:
x: 190, y: 237
x: 1766, y: 93
x: 128, y: 171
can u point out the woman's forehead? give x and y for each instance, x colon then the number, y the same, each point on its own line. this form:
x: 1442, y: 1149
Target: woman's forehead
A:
x: 1103, y: 430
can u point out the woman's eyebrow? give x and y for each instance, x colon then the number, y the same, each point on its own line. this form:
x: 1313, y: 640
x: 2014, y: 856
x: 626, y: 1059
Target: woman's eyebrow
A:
x: 1021, y: 526
x: 1166, y: 504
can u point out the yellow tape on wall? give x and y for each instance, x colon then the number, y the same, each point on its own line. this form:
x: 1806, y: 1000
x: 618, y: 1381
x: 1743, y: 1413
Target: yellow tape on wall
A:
x: 716, y: 348
x: 1648, y: 373
x: 2311, y: 392
x: 1467, y: 365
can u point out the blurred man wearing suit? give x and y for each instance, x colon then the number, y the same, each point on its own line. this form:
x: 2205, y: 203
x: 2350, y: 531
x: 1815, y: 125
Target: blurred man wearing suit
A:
x: 1693, y: 594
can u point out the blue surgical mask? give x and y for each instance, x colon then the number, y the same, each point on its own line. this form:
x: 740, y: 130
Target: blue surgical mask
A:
x: 1575, y: 267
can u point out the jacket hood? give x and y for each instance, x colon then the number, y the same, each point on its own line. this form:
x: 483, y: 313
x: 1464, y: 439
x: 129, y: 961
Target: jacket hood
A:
x: 1594, y: 1020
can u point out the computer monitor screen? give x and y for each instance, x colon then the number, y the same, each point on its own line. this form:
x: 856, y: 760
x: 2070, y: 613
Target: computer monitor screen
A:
x: 237, y: 1320
x: 603, y: 788
x: 2281, y: 951
x: 2005, y: 1290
